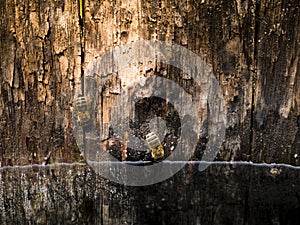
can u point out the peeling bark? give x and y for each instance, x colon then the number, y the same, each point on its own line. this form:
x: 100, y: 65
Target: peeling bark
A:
x: 40, y: 65
x: 253, y: 48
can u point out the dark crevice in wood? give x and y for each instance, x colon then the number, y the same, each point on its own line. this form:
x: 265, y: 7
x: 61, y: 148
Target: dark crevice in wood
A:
x: 256, y: 24
x: 82, y: 38
x: 254, y: 73
x: 81, y: 17
x: 12, y: 103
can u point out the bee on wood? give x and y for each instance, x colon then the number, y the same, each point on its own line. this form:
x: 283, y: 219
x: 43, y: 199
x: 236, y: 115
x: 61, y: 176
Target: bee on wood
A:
x: 83, y: 111
x: 274, y: 171
x: 157, y: 150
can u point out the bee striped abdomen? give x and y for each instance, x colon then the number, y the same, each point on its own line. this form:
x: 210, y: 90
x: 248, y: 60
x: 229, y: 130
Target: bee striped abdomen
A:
x: 155, y: 145
x: 82, y: 106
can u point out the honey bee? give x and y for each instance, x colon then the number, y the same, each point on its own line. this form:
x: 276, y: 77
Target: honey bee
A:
x: 83, y: 113
x: 157, y: 150
x: 274, y: 171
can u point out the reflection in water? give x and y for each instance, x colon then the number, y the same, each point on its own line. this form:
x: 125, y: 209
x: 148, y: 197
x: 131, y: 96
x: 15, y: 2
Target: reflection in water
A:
x: 226, y: 193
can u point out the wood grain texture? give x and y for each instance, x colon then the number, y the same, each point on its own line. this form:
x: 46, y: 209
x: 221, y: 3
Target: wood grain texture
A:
x: 40, y: 64
x: 252, y: 46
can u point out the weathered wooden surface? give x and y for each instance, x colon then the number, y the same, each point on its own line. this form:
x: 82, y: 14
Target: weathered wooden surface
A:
x: 40, y: 64
x: 253, y: 48
x: 220, y: 195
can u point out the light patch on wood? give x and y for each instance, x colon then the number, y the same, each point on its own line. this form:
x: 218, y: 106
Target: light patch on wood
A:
x: 10, y: 73
x: 41, y: 92
x: 61, y: 31
x: 285, y: 108
x: 64, y: 65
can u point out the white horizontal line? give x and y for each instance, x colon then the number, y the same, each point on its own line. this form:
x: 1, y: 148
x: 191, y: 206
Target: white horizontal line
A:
x: 31, y: 166
x: 242, y: 163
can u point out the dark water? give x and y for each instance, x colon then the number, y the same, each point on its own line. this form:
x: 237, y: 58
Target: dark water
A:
x: 222, y: 194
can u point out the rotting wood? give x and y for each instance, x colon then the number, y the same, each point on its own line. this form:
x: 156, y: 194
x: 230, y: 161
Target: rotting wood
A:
x: 252, y: 47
